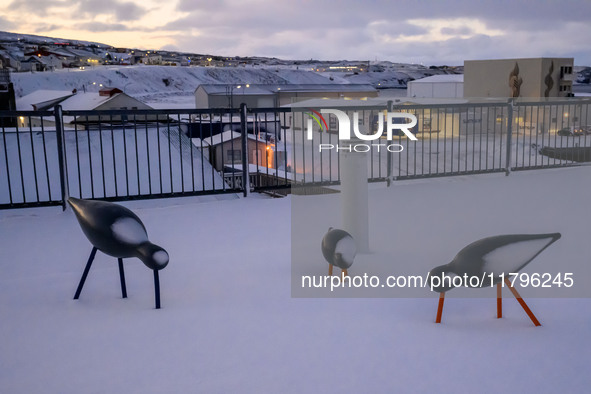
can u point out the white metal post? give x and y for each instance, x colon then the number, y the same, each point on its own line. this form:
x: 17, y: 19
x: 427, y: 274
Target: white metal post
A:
x: 354, y: 194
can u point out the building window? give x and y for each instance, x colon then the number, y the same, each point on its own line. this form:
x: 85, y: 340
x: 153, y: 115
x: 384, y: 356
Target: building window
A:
x: 565, y: 70
x: 234, y: 155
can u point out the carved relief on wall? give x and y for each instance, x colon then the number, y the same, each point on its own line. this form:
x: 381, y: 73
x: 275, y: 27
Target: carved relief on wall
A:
x: 549, y: 81
x: 515, y: 81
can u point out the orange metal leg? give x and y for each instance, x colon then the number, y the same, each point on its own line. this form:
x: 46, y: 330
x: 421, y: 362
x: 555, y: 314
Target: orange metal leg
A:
x: 330, y: 270
x: 344, y: 273
x: 440, y: 307
x: 499, y: 301
x: 522, y: 303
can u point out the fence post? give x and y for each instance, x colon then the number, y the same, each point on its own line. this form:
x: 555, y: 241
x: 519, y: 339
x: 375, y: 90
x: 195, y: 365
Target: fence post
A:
x: 245, y: 165
x: 354, y: 194
x: 509, y: 135
x: 389, y: 161
x: 59, y: 133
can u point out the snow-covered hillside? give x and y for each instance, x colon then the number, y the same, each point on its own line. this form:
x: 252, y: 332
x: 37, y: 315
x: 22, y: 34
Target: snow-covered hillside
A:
x: 139, y: 80
x: 8, y: 36
x: 151, y: 83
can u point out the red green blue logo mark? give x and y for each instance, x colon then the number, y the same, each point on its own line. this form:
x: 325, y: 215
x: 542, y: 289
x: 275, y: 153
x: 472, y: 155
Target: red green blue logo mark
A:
x: 318, y: 118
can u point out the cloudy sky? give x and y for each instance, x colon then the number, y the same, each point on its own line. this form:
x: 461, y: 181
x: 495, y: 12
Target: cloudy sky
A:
x: 419, y: 31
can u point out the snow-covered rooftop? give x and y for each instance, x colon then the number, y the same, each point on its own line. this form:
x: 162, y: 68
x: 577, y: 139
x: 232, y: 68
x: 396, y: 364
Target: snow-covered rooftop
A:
x: 85, y: 101
x: 216, y: 89
x: 26, y: 103
x: 60, y: 52
x: 274, y: 88
x: 73, y: 102
x: 228, y: 321
x: 455, y: 78
x: 371, y: 101
x: 82, y: 53
x: 217, y: 139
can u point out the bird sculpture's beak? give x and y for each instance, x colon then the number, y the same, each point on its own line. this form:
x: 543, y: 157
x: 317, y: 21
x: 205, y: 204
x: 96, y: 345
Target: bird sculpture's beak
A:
x: 153, y: 256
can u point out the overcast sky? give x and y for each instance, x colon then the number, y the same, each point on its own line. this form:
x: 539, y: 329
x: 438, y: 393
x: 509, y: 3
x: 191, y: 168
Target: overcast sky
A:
x: 428, y: 32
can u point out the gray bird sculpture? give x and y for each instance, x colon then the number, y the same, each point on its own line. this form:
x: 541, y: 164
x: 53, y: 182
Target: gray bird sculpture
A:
x: 499, y: 255
x: 339, y: 249
x: 118, y: 232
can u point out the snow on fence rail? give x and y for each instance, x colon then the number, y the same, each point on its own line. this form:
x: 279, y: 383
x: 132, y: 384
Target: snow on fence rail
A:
x: 46, y: 156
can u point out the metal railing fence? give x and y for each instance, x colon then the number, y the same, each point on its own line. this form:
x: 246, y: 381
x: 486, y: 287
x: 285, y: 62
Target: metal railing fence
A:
x: 46, y: 156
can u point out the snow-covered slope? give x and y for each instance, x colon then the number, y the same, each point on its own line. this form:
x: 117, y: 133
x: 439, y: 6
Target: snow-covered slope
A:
x: 8, y: 36
x: 141, y: 80
x: 154, y: 84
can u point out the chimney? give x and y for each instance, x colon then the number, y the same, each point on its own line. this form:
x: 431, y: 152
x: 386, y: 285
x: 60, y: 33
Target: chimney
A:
x: 109, y: 91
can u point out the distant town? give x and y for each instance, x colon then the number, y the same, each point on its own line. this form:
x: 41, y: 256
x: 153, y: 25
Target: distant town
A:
x: 26, y: 53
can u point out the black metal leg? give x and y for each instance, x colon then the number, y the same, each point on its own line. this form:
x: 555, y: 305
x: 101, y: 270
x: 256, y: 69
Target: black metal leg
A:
x: 122, y: 278
x: 85, y: 273
x: 157, y: 289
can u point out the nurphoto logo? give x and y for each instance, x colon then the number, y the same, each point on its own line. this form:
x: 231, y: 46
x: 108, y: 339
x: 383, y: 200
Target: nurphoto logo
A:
x: 394, y: 121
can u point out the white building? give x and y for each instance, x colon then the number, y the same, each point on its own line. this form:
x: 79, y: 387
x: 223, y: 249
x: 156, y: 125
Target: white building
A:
x: 437, y: 86
x: 274, y: 95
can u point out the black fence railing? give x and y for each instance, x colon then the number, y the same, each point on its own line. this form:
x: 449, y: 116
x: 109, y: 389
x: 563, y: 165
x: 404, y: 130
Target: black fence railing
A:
x: 46, y: 156
x: 4, y: 76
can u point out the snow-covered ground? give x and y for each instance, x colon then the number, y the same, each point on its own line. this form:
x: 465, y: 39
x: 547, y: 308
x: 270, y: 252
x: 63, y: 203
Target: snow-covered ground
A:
x: 229, y: 323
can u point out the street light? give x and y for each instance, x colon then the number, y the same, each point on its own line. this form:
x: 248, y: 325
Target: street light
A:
x: 230, y: 93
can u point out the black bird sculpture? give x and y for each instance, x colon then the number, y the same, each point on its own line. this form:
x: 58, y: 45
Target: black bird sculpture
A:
x: 118, y: 232
x: 338, y: 248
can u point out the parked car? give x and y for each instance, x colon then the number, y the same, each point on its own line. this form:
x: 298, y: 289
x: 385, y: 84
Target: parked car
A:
x: 574, y: 131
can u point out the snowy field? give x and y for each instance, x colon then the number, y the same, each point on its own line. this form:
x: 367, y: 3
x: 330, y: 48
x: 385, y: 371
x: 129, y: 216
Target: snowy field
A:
x: 228, y: 323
